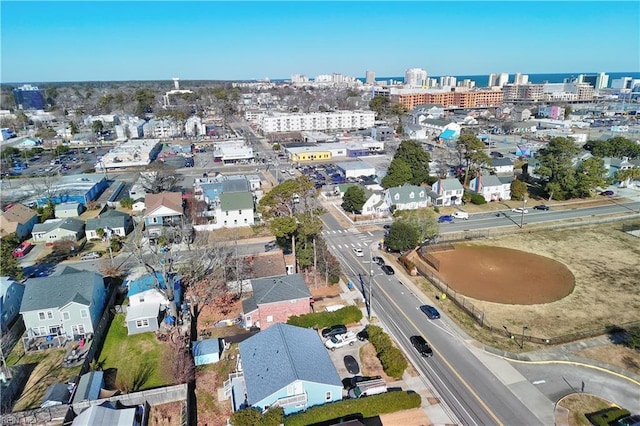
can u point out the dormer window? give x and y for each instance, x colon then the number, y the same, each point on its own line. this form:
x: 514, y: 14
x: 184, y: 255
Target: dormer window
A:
x: 411, y: 195
x: 421, y: 194
x: 397, y: 196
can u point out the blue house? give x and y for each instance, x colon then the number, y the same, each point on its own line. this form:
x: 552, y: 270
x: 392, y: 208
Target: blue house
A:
x: 11, y: 293
x: 285, y: 366
x: 148, y: 302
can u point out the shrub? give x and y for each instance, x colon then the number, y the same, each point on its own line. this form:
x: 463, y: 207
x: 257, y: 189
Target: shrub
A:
x: 347, y: 315
x: 477, y: 199
x: 408, y: 264
x: 369, y: 407
x: 607, y: 416
x: 392, y: 359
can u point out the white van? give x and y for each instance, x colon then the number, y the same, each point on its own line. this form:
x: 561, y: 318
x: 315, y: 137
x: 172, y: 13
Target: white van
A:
x: 368, y: 388
x: 461, y: 215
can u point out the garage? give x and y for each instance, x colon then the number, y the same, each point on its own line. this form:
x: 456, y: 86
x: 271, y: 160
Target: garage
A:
x: 356, y: 169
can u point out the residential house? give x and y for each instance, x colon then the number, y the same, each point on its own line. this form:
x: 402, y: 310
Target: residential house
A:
x: 614, y: 165
x: 491, y: 187
x: 521, y: 114
x: 236, y: 209
x: 502, y: 165
x: 68, y: 304
x: 18, y: 219
x: 148, y: 301
x: 446, y: 192
x: 406, y: 197
x: 112, y: 222
x: 110, y: 414
x: 285, y: 366
x: 163, y: 209
x: 207, y: 351
x: 57, y: 230
x: 375, y: 204
x: 275, y: 299
x: 68, y: 210
x: 11, y: 293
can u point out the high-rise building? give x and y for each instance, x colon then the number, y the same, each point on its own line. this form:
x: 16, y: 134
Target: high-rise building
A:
x: 602, y: 81
x: 299, y: 78
x: 498, y: 80
x: 415, y: 77
x: 520, y: 78
x: 448, y: 81
x: 622, y: 83
x: 468, y: 83
x: 28, y: 97
x: 371, y: 77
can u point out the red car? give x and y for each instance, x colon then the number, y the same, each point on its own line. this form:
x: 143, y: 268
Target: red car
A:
x: 24, y: 248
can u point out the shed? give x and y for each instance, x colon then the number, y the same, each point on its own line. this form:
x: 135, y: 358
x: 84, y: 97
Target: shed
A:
x: 207, y: 351
x: 69, y: 210
x: 56, y: 394
x: 143, y: 317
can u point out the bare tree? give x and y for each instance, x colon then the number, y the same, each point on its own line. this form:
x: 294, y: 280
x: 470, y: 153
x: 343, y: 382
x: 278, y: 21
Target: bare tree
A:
x: 158, y: 178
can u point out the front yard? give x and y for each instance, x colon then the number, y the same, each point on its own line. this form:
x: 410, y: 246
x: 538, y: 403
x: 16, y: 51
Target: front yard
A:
x: 142, y: 362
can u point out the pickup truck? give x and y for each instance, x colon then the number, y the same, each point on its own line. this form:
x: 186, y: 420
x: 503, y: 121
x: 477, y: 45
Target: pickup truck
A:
x: 349, y: 338
x: 461, y: 215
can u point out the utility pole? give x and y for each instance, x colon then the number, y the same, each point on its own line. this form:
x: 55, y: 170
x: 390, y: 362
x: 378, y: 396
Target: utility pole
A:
x: 370, y: 280
x: 524, y: 203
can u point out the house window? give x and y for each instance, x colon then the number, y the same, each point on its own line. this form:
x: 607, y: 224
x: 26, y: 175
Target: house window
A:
x: 397, y: 196
x: 141, y: 299
x: 245, y: 220
x: 227, y: 213
x: 49, y: 315
x: 84, y: 313
x: 327, y: 396
x: 411, y: 195
x: 239, y: 211
x: 77, y: 329
x: 41, y: 316
x: 66, y: 316
x: 421, y: 194
x: 142, y: 323
x: 269, y: 318
x: 235, y: 221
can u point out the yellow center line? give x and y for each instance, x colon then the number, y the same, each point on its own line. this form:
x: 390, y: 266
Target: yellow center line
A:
x: 466, y: 385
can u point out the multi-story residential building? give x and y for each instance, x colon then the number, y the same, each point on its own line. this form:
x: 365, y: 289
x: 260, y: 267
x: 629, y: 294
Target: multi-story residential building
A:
x: 339, y: 120
x: 498, y: 80
x: 602, y: 81
x: 411, y: 98
x: 28, y: 97
x: 448, y: 81
x: 415, y: 77
x: 622, y: 83
x: 468, y: 83
x: 370, y: 77
x: 520, y: 78
x: 299, y: 78
x: 548, y: 111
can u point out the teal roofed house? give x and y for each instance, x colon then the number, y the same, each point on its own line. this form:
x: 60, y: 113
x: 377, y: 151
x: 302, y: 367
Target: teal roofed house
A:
x: 407, y: 197
x: 285, y: 366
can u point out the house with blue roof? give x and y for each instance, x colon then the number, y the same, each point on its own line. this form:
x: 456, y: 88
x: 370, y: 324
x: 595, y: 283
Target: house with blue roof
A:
x: 148, y: 301
x: 284, y: 366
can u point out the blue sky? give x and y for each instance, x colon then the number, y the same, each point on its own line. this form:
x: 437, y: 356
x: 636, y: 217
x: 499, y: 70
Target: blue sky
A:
x: 150, y: 40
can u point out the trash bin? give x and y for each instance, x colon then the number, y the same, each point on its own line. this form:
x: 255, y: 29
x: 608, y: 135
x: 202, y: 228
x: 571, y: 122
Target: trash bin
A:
x: 350, y: 285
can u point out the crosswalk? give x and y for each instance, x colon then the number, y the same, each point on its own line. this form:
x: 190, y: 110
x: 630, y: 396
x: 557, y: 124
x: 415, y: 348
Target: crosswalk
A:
x: 364, y: 238
x: 345, y: 232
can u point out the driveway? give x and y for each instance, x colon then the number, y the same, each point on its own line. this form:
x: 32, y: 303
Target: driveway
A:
x: 338, y: 355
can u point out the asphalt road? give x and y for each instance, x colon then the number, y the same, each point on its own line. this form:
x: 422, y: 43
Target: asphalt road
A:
x: 470, y: 391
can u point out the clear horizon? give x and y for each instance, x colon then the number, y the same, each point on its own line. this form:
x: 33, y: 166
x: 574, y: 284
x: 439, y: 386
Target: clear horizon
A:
x: 147, y: 41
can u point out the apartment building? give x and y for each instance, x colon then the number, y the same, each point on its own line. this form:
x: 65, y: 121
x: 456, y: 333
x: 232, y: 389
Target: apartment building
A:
x: 460, y: 98
x: 338, y: 120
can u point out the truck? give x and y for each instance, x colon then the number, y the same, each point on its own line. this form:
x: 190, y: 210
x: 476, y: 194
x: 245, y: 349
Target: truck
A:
x: 368, y: 388
x: 461, y: 215
x: 340, y: 340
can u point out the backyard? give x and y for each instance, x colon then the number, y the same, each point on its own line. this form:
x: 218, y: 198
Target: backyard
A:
x: 141, y: 360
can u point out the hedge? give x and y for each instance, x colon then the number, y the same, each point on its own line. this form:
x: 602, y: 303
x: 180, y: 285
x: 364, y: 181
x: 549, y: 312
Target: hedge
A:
x: 348, y: 315
x: 477, y: 199
x: 370, y: 406
x: 392, y: 359
x: 607, y: 416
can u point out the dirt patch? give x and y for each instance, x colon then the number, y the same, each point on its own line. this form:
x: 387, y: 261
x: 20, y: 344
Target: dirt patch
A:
x: 370, y: 364
x: 604, y: 261
x: 504, y: 275
x: 620, y: 356
x: 165, y: 414
x: 209, y: 379
x: 414, y: 417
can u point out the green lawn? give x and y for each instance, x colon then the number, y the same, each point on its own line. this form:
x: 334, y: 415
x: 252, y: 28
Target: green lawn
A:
x: 142, y: 361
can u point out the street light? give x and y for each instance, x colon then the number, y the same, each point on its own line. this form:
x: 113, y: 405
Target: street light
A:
x: 524, y: 204
x: 524, y: 327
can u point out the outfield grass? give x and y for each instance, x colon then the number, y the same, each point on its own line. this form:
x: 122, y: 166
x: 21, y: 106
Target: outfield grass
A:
x: 142, y: 361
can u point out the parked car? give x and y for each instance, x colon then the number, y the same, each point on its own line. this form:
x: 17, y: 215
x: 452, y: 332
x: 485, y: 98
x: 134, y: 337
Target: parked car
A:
x: 334, y: 330
x: 497, y: 154
x: 358, y: 252
x: 363, y: 334
x: 387, y: 226
x: 24, y: 248
x: 608, y: 193
x: 368, y: 388
x: 90, y: 256
x: 520, y: 210
x: 445, y: 219
x: 633, y: 420
x: 351, y: 364
x: 270, y: 246
x: 461, y: 215
x: 378, y: 260
x: 387, y: 270
x: 353, y: 382
x: 340, y: 340
x: 541, y: 207
x: 421, y: 346
x: 430, y: 311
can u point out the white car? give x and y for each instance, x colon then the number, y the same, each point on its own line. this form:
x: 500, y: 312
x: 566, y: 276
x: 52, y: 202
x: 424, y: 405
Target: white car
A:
x: 90, y: 256
x: 358, y: 252
x: 520, y: 210
x: 341, y: 340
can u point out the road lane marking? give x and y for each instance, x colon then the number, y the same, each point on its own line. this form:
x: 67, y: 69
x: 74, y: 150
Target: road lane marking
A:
x: 538, y: 382
x: 370, y: 233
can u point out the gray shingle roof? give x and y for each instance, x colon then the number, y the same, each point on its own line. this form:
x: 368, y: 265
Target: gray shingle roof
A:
x: 110, y: 219
x: 497, y: 162
x: 404, y: 193
x: 451, y: 184
x: 58, y: 290
x: 235, y: 185
x: 276, y: 289
x: 70, y: 224
x: 282, y: 354
x: 490, y: 180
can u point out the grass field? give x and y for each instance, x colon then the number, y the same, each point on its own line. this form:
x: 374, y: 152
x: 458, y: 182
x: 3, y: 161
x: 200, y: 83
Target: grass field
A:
x: 141, y: 360
x: 604, y: 261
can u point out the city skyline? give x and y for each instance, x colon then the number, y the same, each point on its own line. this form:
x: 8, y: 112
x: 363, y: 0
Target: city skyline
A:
x: 115, y: 41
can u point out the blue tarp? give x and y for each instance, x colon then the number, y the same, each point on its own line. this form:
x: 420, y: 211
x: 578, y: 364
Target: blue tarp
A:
x: 147, y: 283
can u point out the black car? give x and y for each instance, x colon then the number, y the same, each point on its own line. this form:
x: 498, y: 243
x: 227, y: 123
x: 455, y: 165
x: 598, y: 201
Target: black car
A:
x: 334, y: 330
x: 430, y: 311
x: 497, y: 154
x: 378, y: 260
x: 387, y: 226
x: 541, y: 207
x: 363, y: 335
x: 421, y: 346
x: 351, y: 364
x: 387, y: 269
x: 353, y: 382
x: 608, y: 193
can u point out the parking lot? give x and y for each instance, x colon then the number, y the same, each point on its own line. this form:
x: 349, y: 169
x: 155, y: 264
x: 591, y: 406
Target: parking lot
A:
x: 74, y: 161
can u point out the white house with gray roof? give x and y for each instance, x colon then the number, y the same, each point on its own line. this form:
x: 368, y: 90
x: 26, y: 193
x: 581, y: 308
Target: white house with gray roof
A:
x: 112, y: 222
x: 446, y: 192
x: 57, y: 230
x: 69, y: 304
x: 285, y: 366
x: 407, y: 197
x: 491, y: 187
x: 502, y: 165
